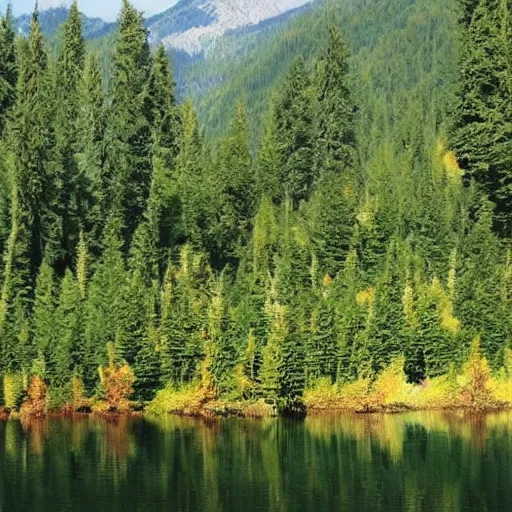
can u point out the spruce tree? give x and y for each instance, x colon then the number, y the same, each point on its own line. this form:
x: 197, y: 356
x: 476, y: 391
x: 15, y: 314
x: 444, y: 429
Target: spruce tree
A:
x: 293, y: 111
x: 8, y: 65
x: 70, y: 67
x: 90, y: 154
x: 482, y: 131
x: 43, y: 319
x: 31, y: 219
x: 103, y: 308
x: 335, y: 149
x: 67, y: 355
x: 128, y: 136
x: 236, y: 188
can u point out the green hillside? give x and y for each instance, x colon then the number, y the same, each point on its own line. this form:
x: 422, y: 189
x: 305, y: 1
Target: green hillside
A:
x: 397, y: 47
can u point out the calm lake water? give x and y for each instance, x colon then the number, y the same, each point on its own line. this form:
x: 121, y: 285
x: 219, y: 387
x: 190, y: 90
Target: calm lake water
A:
x: 415, y: 462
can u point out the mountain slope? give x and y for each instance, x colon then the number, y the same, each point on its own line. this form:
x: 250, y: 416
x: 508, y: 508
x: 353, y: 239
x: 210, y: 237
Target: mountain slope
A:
x: 413, y: 36
x: 52, y: 19
x: 192, y: 25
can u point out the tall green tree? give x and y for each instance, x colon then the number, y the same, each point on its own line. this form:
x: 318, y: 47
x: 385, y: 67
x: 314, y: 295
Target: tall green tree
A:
x: 294, y: 128
x: 8, y: 65
x: 128, y: 137
x: 70, y: 67
x: 334, y: 115
x: 482, y: 131
x: 90, y: 154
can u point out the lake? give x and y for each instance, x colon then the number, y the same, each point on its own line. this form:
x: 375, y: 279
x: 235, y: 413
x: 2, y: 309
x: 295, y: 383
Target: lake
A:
x: 411, y: 462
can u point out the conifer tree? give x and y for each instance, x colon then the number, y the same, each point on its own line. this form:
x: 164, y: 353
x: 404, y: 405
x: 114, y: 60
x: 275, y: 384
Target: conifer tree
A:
x: 293, y: 111
x: 43, y: 319
x: 68, y: 355
x: 322, y: 350
x: 335, y: 150
x: 163, y: 110
x: 148, y: 362
x: 103, y: 308
x: 191, y: 183
x: 90, y: 153
x: 31, y: 217
x: 482, y: 131
x: 332, y: 219
x: 8, y: 65
x: 219, y: 336
x: 70, y: 67
x: 128, y: 137
x: 236, y: 187
x: 268, y: 165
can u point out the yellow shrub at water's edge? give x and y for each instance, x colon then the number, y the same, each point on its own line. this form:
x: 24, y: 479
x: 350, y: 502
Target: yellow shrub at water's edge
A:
x: 13, y: 390
x: 187, y: 400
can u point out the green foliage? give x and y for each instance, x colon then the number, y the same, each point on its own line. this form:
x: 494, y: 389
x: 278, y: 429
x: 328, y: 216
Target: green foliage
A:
x: 346, y: 248
x: 483, y: 118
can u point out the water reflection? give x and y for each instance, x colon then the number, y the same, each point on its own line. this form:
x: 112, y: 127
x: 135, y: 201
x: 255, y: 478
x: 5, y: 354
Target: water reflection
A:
x: 416, y: 462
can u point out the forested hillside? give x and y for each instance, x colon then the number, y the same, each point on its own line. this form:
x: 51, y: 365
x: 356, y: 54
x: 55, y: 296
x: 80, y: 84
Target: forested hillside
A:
x: 364, y: 227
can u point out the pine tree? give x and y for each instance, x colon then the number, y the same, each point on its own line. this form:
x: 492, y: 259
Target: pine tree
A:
x: 90, y: 154
x: 67, y: 356
x: 43, y: 319
x: 293, y: 111
x: 236, y: 189
x: 482, y: 131
x: 128, y: 137
x: 334, y: 114
x: 8, y: 65
x: 70, y: 67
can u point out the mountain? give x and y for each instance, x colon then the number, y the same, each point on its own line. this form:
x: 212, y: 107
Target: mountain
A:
x: 52, y: 19
x: 193, y: 25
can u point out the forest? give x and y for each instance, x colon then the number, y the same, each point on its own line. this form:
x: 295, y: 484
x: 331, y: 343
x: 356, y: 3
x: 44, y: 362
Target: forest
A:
x: 344, y: 239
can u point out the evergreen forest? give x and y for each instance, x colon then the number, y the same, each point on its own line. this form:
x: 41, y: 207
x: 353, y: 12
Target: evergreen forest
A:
x: 338, y: 205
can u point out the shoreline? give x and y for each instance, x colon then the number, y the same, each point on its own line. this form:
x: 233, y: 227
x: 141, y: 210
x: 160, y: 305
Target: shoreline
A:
x: 255, y: 410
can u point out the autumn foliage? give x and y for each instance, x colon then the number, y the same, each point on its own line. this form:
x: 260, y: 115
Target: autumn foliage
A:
x: 117, y: 384
x: 35, y: 403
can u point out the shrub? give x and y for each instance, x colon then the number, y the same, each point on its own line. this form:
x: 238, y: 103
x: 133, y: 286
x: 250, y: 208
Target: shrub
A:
x: 13, y: 390
x: 36, y: 402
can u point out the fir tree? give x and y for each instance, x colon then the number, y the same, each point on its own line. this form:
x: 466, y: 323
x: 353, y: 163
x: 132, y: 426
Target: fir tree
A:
x: 335, y: 118
x: 293, y: 113
x: 8, y: 65
x: 68, y: 355
x: 128, y: 137
x: 68, y: 81
x: 90, y: 153
x: 482, y: 129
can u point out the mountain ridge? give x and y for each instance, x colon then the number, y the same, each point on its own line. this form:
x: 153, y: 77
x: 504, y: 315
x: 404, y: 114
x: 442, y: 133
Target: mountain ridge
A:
x: 190, y: 26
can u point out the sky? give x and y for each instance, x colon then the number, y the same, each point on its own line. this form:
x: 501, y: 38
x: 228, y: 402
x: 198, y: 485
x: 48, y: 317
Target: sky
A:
x: 106, y: 9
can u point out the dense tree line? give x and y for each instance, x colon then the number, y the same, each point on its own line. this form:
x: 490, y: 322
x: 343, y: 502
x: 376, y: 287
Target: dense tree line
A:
x: 356, y: 232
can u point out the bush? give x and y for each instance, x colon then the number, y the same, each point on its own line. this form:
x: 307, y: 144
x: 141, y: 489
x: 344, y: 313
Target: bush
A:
x: 188, y: 400
x: 36, y: 402
x: 14, y: 389
x: 117, y: 388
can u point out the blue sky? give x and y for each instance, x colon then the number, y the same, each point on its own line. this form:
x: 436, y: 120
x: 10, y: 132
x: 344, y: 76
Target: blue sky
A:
x: 106, y: 9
